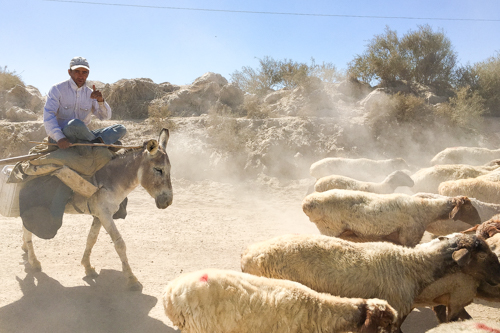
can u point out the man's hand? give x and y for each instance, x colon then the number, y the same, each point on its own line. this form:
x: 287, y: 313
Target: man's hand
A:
x: 63, y: 143
x: 96, y: 94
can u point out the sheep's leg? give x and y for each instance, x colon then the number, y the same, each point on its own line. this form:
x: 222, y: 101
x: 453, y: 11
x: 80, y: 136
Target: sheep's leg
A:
x: 28, y: 247
x: 121, y: 249
x: 440, y: 311
x: 91, y: 240
x: 464, y: 315
x: 456, y: 313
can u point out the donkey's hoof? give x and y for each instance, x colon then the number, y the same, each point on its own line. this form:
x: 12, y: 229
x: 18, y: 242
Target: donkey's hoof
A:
x: 91, y: 272
x: 36, y: 266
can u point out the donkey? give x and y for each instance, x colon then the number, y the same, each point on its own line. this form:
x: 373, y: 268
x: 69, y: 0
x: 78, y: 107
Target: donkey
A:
x: 148, y: 166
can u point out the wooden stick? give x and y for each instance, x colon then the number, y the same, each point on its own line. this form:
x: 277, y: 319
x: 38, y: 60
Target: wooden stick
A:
x: 14, y: 160
x: 87, y: 144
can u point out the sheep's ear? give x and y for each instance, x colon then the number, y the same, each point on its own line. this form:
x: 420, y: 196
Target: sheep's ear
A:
x: 454, y: 212
x: 152, y: 146
x: 442, y: 238
x: 461, y: 257
x: 473, y: 229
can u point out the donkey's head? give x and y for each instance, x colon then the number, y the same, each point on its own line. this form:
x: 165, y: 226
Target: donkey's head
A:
x: 154, y: 173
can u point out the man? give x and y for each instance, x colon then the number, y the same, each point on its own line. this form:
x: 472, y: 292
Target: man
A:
x: 70, y: 106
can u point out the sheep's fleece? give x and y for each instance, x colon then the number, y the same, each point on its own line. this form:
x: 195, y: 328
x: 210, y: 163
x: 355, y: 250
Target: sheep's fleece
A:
x: 223, y: 301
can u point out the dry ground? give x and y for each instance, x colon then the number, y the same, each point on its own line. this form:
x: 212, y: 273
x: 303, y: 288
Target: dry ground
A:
x: 208, y: 225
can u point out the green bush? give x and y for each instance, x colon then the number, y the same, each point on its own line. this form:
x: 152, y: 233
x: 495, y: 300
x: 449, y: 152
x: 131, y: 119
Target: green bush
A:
x: 423, y: 56
x: 488, y: 86
x: 464, y: 111
x: 406, y: 110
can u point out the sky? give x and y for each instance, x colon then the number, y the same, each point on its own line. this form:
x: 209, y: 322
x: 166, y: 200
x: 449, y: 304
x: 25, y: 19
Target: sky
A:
x: 179, y: 41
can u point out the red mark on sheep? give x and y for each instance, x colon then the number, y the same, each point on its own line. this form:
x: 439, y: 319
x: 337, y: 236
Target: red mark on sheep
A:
x: 487, y: 328
x: 204, y: 278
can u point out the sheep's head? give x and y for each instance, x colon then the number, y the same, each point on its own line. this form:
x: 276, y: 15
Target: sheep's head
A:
x: 378, y: 316
x: 475, y: 258
x: 400, y: 178
x: 463, y: 210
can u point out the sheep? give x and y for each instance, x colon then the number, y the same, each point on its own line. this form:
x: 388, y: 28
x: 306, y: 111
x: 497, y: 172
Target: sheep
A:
x: 481, y: 189
x: 398, y: 218
x: 223, y: 301
x: 469, y: 326
x: 358, y: 168
x: 486, y: 211
x: 465, y: 155
x: 452, y: 293
x: 428, y: 179
x: 486, y: 291
x: 489, y: 230
x: 388, y: 185
x: 492, y: 176
x: 370, y: 270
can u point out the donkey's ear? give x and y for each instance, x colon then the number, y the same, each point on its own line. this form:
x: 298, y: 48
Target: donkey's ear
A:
x: 152, y: 146
x: 163, y: 139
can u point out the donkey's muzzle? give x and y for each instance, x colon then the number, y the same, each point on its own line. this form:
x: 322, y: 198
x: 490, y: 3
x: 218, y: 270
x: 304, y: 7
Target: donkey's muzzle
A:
x: 164, y: 200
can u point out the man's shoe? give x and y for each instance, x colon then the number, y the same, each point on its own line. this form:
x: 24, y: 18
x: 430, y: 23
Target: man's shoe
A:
x: 97, y: 140
x: 115, y: 149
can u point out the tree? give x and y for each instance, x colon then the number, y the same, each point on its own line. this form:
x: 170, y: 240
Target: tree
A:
x: 421, y: 56
x: 489, y: 83
x: 430, y: 57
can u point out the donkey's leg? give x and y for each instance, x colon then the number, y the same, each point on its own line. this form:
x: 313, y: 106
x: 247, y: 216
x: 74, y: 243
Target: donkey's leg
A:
x: 28, y: 247
x: 121, y: 249
x: 91, y: 239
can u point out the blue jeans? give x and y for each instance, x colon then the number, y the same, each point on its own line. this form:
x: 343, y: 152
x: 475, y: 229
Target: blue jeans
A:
x: 77, y: 130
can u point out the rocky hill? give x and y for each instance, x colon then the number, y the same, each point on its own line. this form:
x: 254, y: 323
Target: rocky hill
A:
x: 218, y: 131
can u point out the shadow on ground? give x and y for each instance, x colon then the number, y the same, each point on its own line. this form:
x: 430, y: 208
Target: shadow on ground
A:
x: 104, y: 306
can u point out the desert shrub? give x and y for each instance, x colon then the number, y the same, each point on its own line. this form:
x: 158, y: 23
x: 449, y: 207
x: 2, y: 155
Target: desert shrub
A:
x: 278, y: 74
x: 224, y: 131
x: 9, y: 79
x: 423, y: 56
x: 466, y: 76
x: 464, y: 111
x: 159, y: 116
x: 254, y: 109
x: 405, y: 110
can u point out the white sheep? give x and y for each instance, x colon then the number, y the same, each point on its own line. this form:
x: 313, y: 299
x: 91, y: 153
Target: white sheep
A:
x: 398, y: 218
x: 388, y: 185
x: 481, y: 189
x: 469, y: 326
x: 465, y: 155
x: 428, y: 179
x: 486, y: 211
x: 223, y: 301
x: 364, y: 169
x: 370, y: 270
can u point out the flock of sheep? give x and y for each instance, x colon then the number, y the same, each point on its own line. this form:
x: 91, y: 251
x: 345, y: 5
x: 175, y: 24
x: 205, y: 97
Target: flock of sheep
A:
x: 370, y: 266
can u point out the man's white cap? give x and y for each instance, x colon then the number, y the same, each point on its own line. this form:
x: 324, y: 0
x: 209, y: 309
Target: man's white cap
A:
x: 78, y: 62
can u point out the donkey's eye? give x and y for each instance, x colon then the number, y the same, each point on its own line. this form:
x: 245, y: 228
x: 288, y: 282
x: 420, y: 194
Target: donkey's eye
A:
x: 160, y: 171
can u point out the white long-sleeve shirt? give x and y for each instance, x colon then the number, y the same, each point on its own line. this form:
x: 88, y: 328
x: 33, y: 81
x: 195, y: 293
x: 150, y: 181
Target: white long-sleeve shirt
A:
x: 65, y: 102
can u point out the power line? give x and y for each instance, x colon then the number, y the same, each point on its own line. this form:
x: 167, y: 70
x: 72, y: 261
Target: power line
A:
x: 281, y: 13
